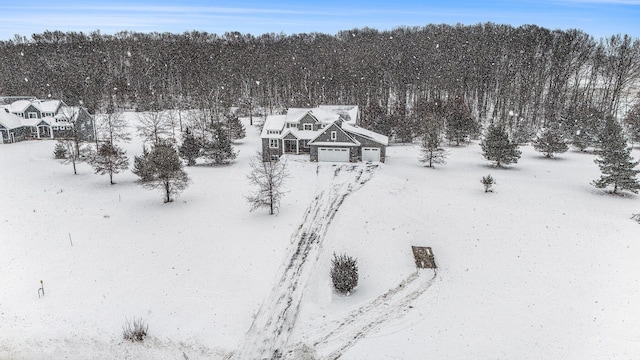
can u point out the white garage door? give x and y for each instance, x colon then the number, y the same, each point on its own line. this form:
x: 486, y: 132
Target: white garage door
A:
x: 370, y: 154
x: 333, y: 154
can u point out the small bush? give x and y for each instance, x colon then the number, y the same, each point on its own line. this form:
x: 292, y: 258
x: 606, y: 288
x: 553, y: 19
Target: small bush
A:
x: 344, y: 273
x: 488, y: 182
x: 135, y: 330
x: 60, y: 152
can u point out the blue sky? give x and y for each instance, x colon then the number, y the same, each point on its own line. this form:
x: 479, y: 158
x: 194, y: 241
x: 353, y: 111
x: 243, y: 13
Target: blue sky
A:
x: 599, y: 18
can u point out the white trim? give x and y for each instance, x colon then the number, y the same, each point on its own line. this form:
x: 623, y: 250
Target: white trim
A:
x: 272, y: 142
x: 304, y: 127
x: 334, y: 135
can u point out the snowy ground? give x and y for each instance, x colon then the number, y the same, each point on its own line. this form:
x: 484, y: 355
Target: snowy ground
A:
x: 543, y: 268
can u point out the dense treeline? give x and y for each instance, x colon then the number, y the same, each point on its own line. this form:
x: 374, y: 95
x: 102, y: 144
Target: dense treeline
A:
x: 524, y: 75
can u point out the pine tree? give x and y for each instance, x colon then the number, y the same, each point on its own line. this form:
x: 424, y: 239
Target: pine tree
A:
x: 60, y: 151
x: 432, y: 152
x: 497, y: 147
x: 190, y: 148
x: 344, y: 273
x: 162, y: 169
x: 109, y: 159
x: 615, y: 161
x: 549, y: 142
x: 269, y: 177
x: 632, y: 123
x: 235, y: 127
x: 218, y: 149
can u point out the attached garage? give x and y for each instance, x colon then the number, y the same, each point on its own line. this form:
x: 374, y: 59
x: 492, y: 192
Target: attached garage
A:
x: 337, y: 154
x: 370, y: 154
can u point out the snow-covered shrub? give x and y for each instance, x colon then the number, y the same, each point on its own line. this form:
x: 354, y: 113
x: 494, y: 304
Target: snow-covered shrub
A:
x: 488, y: 182
x: 344, y: 273
x: 60, y: 151
x: 135, y: 330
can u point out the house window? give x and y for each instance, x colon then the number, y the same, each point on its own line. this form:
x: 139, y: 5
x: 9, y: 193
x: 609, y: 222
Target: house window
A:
x: 334, y: 135
x: 273, y: 143
x: 304, y: 143
x: 276, y: 132
x: 33, y: 115
x: 308, y: 127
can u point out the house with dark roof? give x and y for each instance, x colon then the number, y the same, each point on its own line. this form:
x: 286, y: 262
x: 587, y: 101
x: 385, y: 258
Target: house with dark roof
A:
x: 326, y: 133
x: 43, y: 119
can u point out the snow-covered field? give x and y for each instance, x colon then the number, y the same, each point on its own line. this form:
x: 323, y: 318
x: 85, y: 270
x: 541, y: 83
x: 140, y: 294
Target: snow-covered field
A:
x: 546, y: 267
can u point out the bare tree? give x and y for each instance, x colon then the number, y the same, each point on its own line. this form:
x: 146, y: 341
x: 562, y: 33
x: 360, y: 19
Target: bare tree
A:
x: 269, y: 177
x: 153, y: 126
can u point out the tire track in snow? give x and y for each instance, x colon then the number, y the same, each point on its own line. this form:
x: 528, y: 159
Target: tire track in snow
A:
x: 273, y: 323
x: 330, y: 341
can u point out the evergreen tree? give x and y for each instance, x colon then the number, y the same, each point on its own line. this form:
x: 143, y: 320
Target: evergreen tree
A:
x: 235, y: 127
x: 615, y: 161
x: 190, y: 148
x: 109, y: 159
x: 632, y: 122
x: 269, y: 177
x: 432, y: 152
x: 497, y: 147
x: 344, y: 273
x: 459, y: 122
x: 218, y: 148
x: 162, y: 169
x: 60, y: 151
x: 549, y: 142
x: 585, y: 125
x: 141, y: 168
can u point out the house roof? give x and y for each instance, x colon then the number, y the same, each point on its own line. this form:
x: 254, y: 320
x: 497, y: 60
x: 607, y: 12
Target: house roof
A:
x: 374, y: 136
x: 19, y: 106
x: 48, y: 105
x: 9, y: 120
x: 325, y: 114
x: 42, y: 105
x: 300, y: 134
x: 275, y: 123
x: 349, y: 112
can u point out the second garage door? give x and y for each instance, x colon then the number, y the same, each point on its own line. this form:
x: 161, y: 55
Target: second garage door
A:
x: 370, y: 154
x: 333, y: 154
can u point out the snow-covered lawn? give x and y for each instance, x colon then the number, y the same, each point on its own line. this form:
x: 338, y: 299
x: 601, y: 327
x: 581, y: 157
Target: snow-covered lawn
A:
x: 546, y: 267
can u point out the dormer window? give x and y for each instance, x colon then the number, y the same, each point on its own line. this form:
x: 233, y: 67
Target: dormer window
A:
x: 273, y: 132
x: 307, y: 127
x: 334, y: 135
x: 33, y: 115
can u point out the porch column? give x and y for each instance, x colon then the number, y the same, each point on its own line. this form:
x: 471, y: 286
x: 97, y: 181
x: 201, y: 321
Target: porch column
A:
x: 38, y: 131
x: 51, y: 131
x: 297, y: 146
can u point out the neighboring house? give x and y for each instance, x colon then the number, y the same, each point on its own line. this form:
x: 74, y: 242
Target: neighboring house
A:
x: 49, y: 119
x: 326, y: 133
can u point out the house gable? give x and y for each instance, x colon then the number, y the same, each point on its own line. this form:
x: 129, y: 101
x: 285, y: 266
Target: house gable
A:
x: 341, y: 137
x: 32, y: 112
x: 312, y: 123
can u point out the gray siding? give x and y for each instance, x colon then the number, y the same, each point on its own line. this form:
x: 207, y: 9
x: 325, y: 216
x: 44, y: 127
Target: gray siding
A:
x: 308, y: 119
x: 267, y: 151
x: 370, y: 143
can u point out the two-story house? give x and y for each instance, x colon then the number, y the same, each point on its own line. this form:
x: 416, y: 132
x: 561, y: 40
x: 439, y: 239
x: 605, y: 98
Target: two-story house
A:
x: 326, y: 133
x: 37, y: 119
